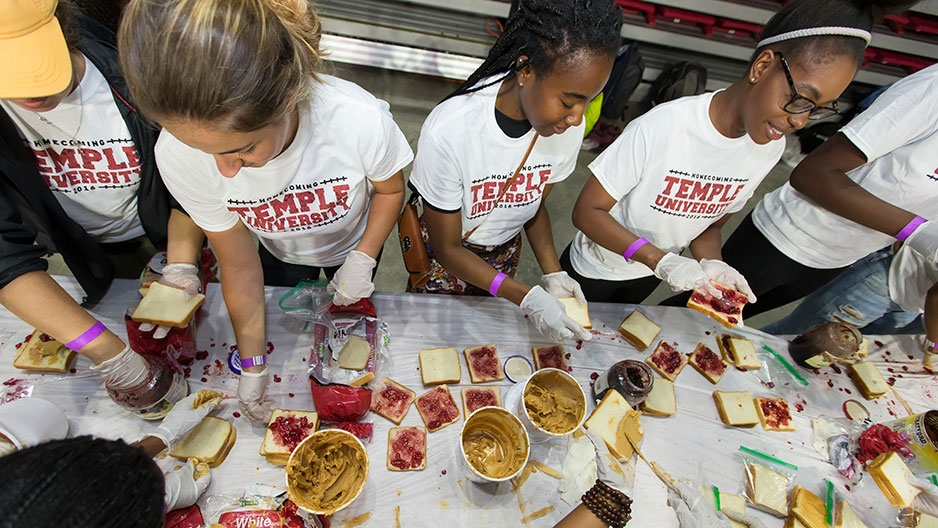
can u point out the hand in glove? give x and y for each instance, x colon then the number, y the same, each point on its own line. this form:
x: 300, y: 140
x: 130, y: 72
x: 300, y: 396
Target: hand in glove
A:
x: 684, y: 274
x: 186, y: 414
x: 186, y: 484
x: 693, y: 511
x: 124, y: 371
x: 608, y: 469
x: 183, y: 277
x: 925, y: 240
x: 927, y: 500
x: 726, y: 275
x: 550, y: 317
x: 559, y: 284
x: 352, y: 281
x: 252, y: 395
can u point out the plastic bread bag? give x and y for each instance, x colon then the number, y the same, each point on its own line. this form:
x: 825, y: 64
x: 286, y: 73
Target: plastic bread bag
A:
x: 364, y: 431
x: 259, y: 505
x: 302, y: 305
x: 338, y: 403
x: 340, y: 342
x: 768, y: 481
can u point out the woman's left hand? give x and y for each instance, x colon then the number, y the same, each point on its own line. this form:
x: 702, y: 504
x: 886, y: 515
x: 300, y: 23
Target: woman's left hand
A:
x: 559, y: 284
x: 352, y: 281
x: 722, y: 273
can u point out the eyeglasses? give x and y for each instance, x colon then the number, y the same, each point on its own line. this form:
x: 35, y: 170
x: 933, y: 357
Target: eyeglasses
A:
x: 800, y: 104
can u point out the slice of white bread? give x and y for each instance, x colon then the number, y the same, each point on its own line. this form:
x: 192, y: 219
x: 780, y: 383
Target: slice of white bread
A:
x: 667, y: 360
x: 293, y: 425
x: 355, y: 353
x: 767, y: 489
x: 577, y: 311
x: 660, y: 400
x: 209, y: 442
x: 166, y: 306
x: 407, y: 448
x: 44, y: 354
x: 437, y: 408
x: 639, y: 330
x: 483, y: 363
x: 808, y: 508
x: 868, y: 379
x: 391, y: 399
x: 774, y: 414
x: 440, y: 365
x: 739, y: 352
x: 845, y: 517
x: 924, y: 521
x: 891, y: 474
x: 793, y: 522
x: 728, y: 502
x: 736, y: 408
x: 550, y: 356
x: 708, y: 363
x: 477, y: 397
x: 363, y: 379
x: 728, y: 310
x: 616, y: 422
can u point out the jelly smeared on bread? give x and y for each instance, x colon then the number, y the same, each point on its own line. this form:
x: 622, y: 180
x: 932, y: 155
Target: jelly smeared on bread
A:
x: 437, y: 408
x: 288, y: 431
x: 667, y: 358
x: 728, y: 310
x: 478, y: 398
x: 407, y: 448
x: 483, y: 363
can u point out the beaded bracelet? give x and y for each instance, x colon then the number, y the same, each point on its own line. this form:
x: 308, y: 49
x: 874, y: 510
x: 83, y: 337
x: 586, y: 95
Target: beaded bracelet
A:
x: 609, y: 505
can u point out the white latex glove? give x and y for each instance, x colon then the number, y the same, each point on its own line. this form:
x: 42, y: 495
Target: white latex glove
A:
x: 927, y: 500
x: 684, y: 274
x: 126, y: 370
x: 159, y: 331
x: 742, y: 518
x: 182, y: 276
x: 252, y: 395
x: 608, y: 470
x: 186, y: 484
x: 559, y: 284
x: 692, y: 509
x: 550, y: 317
x: 925, y: 240
x: 726, y: 275
x: 352, y: 281
x: 183, y: 417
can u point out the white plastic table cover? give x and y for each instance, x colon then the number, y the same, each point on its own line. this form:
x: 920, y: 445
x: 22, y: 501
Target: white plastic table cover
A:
x: 693, y: 444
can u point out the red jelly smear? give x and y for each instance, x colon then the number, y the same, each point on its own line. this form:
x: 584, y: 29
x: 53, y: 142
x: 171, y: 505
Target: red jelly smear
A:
x: 290, y: 430
x: 776, y: 413
x: 667, y: 358
x: 709, y: 361
x: 478, y: 398
x: 551, y: 357
x: 407, y: 449
x: 485, y: 363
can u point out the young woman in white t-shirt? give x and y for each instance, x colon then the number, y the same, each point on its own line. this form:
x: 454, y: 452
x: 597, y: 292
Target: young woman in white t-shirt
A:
x: 528, y: 95
x: 676, y: 174
x: 255, y: 141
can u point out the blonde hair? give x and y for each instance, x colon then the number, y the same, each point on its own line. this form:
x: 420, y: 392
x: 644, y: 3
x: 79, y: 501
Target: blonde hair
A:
x: 236, y: 64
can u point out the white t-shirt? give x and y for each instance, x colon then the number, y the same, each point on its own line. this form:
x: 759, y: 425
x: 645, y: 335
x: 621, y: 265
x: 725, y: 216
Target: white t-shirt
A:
x: 673, y: 174
x: 310, y: 204
x: 464, y: 160
x: 85, y: 154
x: 910, y: 277
x: 897, y: 133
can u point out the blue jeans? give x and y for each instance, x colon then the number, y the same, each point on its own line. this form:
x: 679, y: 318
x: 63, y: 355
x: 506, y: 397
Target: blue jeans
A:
x: 859, y: 296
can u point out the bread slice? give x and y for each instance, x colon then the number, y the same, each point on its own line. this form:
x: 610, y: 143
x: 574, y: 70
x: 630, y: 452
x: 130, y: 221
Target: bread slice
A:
x: 42, y: 353
x: 407, y: 448
x: 483, y: 363
x: 285, y: 430
x: 477, y: 397
x: 391, y: 399
x: 437, y: 408
x: 550, y: 356
x: 577, y: 311
x: 667, y: 360
x: 166, y: 306
x: 739, y: 352
x: 210, y: 441
x: 808, y: 508
x: 736, y: 408
x: 639, y: 330
x: 891, y: 474
x: 768, y: 490
x: 793, y: 522
x: 708, y: 363
x: 868, y: 379
x: 440, y: 365
x: 845, y: 517
x: 355, y: 353
x: 660, y: 400
x: 774, y: 414
x: 728, y: 502
x: 616, y: 422
x: 363, y: 379
x: 727, y: 310
x: 924, y: 521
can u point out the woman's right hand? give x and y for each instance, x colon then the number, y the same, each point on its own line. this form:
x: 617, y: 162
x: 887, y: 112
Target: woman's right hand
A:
x: 684, y: 274
x: 550, y: 317
x: 252, y: 395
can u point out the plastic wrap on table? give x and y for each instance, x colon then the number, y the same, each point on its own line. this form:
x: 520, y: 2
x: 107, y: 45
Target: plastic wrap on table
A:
x: 768, y: 481
x: 14, y: 389
x: 364, y: 431
x: 337, y: 403
x: 259, y: 505
x: 331, y: 332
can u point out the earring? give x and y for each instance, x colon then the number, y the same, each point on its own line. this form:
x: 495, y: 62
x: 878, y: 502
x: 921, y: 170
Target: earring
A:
x: 752, y: 80
x: 520, y: 83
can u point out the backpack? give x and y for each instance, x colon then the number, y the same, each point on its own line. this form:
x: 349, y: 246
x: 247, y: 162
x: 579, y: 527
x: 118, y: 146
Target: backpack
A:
x: 675, y: 81
x: 626, y: 75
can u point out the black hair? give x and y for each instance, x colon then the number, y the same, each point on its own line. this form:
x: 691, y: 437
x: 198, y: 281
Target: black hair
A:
x: 81, y: 481
x: 806, y: 14
x: 548, y: 32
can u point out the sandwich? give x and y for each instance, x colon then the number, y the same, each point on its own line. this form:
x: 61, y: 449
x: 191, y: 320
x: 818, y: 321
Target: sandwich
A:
x: 577, y: 311
x: 808, y: 508
x: 736, y: 408
x: 437, y: 408
x: 739, y: 352
x: 767, y: 490
x: 474, y: 398
x: 639, y: 330
x: 354, y: 353
x: 727, y: 310
x: 550, y: 356
x: 617, y: 423
x: 483, y: 363
x: 868, y: 379
x: 407, y: 448
x: 285, y: 430
x: 708, y: 363
x: 391, y: 399
x: 660, y: 400
x: 440, y: 365
x: 210, y: 441
x: 166, y: 306
x: 845, y: 517
x: 667, y: 360
x: 41, y: 352
x: 728, y: 502
x: 891, y: 474
x: 774, y: 414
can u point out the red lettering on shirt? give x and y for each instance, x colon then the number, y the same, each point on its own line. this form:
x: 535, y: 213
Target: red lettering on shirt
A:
x: 687, y: 196
x: 296, y: 210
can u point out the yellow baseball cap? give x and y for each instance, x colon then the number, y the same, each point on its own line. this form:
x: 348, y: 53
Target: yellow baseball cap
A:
x: 33, y: 52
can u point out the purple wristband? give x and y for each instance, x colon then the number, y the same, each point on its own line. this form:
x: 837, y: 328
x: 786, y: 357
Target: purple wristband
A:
x: 910, y: 228
x: 88, y: 336
x: 496, y: 283
x: 253, y: 361
x: 634, y: 247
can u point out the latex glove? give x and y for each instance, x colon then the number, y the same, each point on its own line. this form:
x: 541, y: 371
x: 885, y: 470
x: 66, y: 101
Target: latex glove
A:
x: 559, y: 284
x: 352, y: 281
x: 186, y: 484
x: 693, y: 511
x: 608, y: 470
x: 550, y: 317
x: 927, y: 500
x: 684, y: 274
x: 726, y: 275
x: 742, y: 518
x: 126, y: 370
x: 252, y: 395
x: 186, y: 414
x: 925, y: 240
x: 159, y: 331
x: 182, y: 276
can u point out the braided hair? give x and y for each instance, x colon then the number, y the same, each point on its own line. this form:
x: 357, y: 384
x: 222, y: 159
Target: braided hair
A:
x: 549, y: 32
x: 81, y: 481
x: 806, y: 14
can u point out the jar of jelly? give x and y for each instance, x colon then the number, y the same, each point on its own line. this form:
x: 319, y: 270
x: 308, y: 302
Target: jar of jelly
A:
x: 825, y: 344
x: 160, y: 389
x: 631, y: 378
